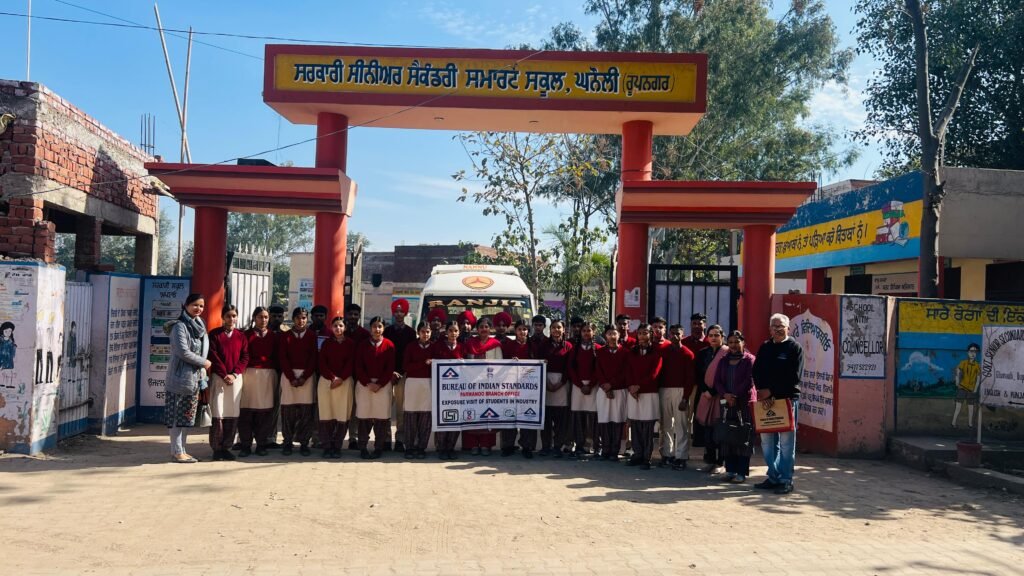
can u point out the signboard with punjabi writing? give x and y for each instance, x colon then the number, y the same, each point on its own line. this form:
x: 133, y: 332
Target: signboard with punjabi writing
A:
x: 585, y: 79
x: 162, y: 297
x: 813, y: 324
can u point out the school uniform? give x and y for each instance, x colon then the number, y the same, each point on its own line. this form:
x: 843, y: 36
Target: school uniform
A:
x: 695, y: 345
x: 229, y: 355
x: 556, y: 404
x: 582, y: 367
x: 297, y: 357
x: 474, y: 349
x: 610, y: 368
x: 527, y: 438
x: 254, y: 419
x: 335, y: 361
x: 643, y: 410
x: 442, y: 350
x: 358, y: 334
x: 401, y: 335
x: 675, y: 383
x: 375, y: 364
x: 274, y: 423
x: 416, y: 401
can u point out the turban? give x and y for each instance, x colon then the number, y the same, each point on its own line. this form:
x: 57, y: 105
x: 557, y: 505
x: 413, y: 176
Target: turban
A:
x: 400, y: 304
x: 503, y: 318
x: 467, y: 316
x: 438, y: 314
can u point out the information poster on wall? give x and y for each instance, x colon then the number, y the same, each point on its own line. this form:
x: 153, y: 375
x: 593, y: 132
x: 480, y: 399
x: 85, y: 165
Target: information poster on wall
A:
x: 862, y: 337
x: 115, y: 330
x: 162, y: 297
x: 813, y: 329
x: 481, y: 394
x: 305, y: 293
x: 1002, y: 366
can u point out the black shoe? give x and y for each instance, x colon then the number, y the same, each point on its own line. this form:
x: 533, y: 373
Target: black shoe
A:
x: 353, y: 445
x: 645, y: 466
x: 399, y: 446
x: 544, y: 452
x: 665, y: 462
x: 528, y: 454
x: 260, y: 451
x: 215, y: 456
x: 304, y: 450
x: 387, y: 446
x: 364, y: 454
x: 421, y: 454
x: 227, y: 455
x: 317, y: 445
x: 633, y: 462
x: 409, y: 455
x: 376, y: 454
x: 766, y: 485
x: 679, y: 465
x: 506, y: 452
x: 784, y: 488
x: 246, y: 452
x: 287, y: 450
x: 237, y: 446
x: 272, y: 445
x: 328, y: 453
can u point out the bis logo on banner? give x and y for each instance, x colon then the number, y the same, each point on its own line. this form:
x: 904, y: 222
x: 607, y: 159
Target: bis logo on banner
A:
x: 450, y: 373
x: 469, y: 415
x: 450, y: 415
x: 489, y: 414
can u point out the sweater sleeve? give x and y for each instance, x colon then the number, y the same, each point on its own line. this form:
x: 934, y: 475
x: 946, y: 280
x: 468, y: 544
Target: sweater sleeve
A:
x: 179, y: 342
x: 243, y: 358
x: 217, y: 364
x: 311, y: 356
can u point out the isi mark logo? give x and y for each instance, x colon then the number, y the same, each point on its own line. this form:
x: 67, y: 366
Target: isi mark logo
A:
x: 477, y: 282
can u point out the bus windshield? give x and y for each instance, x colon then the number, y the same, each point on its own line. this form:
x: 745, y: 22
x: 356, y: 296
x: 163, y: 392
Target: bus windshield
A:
x: 517, y: 306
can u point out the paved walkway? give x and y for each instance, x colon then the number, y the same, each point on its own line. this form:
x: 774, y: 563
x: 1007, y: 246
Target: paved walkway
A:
x: 116, y: 506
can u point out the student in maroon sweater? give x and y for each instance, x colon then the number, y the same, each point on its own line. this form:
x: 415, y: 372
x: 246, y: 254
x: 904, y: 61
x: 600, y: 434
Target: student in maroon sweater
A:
x: 556, y: 430
x: 642, y: 406
x: 297, y: 359
x: 675, y: 387
x: 582, y: 368
x: 334, y: 389
x: 447, y: 349
x: 229, y: 354
x: 375, y: 372
x: 610, y: 378
x: 401, y: 335
x: 416, y: 366
x: 255, y: 416
x: 518, y: 349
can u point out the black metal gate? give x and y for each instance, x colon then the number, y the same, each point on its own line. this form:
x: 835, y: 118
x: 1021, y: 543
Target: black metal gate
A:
x: 677, y: 291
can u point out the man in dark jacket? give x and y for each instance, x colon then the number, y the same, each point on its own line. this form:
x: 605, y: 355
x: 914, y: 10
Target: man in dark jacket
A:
x: 777, y: 372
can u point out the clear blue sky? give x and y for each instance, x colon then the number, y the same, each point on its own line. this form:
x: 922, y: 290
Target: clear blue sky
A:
x: 116, y: 75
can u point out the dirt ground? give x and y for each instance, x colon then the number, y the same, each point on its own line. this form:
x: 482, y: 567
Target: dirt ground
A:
x: 118, y: 506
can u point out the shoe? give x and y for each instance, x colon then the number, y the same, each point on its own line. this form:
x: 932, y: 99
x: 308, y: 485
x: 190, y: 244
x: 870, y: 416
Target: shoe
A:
x: 304, y: 450
x: 215, y: 456
x: 738, y: 479
x: 528, y: 454
x: 679, y: 465
x: 665, y: 462
x: 328, y: 453
x: 399, y: 446
x: 387, y: 446
x: 272, y: 445
x: 376, y: 454
x: 728, y: 477
x: 633, y: 462
x: 645, y: 466
x: 260, y: 451
x: 353, y: 445
x: 227, y: 455
x: 485, y: 451
x: 183, y: 459
x: 715, y: 469
x: 767, y: 484
x: 506, y: 452
x: 421, y: 454
x: 475, y: 451
x: 317, y: 445
x: 544, y: 452
x: 364, y: 454
x: 237, y: 446
x: 246, y: 452
x: 287, y: 450
x: 785, y: 488
x: 409, y: 455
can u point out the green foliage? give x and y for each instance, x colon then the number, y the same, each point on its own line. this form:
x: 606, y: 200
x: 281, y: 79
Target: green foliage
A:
x: 277, y: 234
x: 167, y: 252
x: 987, y: 130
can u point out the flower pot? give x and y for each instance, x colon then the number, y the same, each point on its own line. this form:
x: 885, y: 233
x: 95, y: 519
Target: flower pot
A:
x: 968, y: 454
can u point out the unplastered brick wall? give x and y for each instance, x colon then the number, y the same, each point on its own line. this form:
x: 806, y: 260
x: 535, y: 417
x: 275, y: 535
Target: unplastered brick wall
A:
x: 53, y: 147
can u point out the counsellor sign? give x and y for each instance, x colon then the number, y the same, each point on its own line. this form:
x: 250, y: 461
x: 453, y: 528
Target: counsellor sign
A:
x: 481, y: 394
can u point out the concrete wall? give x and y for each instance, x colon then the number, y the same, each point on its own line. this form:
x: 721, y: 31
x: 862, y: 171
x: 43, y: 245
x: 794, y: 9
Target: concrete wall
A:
x: 981, y: 214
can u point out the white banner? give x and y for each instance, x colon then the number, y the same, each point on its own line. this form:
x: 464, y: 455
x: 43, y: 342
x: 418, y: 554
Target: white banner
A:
x: 482, y: 394
x: 817, y: 383
x: 862, y: 336
x: 1002, y: 366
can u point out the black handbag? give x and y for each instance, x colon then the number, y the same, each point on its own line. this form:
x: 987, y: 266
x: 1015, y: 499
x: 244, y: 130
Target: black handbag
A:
x: 732, y: 433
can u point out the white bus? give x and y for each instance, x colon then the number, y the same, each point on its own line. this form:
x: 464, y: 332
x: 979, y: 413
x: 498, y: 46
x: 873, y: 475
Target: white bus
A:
x: 483, y: 289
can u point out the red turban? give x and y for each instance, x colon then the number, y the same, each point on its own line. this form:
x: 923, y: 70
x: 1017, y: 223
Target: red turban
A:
x: 467, y: 316
x: 503, y: 318
x: 438, y: 314
x: 400, y: 304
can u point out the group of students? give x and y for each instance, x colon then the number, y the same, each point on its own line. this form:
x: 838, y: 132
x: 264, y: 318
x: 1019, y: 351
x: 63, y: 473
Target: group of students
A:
x: 604, y: 390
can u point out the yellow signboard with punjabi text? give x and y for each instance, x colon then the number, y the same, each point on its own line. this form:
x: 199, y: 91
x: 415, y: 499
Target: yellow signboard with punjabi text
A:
x: 639, y: 81
x: 860, y: 230
x: 955, y: 317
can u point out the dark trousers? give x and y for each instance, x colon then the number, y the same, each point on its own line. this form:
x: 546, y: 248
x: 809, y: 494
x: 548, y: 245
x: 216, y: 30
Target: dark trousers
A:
x: 584, y: 425
x: 379, y: 426
x: 737, y: 464
x: 332, y: 433
x: 416, y: 432
x: 297, y: 423
x: 508, y: 438
x: 274, y: 420
x: 556, y: 427
x: 222, y: 433
x: 713, y: 453
x: 643, y: 439
x: 445, y: 441
x: 611, y: 438
x: 254, y: 424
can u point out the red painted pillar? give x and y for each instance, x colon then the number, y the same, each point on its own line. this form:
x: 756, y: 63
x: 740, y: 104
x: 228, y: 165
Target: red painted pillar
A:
x: 209, y: 257
x: 331, y: 227
x: 816, y: 280
x: 631, y: 271
x: 758, y: 282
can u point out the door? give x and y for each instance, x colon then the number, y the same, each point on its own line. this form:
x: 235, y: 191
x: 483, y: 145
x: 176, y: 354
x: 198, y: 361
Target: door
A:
x: 677, y: 291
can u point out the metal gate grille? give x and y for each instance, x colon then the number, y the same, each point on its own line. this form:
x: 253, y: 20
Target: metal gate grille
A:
x: 250, y: 283
x: 677, y: 291
x: 73, y: 395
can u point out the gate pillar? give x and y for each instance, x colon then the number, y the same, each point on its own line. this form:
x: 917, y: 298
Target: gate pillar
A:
x: 758, y: 282
x: 631, y: 269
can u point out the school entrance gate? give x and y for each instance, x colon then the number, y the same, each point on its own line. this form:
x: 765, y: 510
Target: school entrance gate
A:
x: 677, y: 291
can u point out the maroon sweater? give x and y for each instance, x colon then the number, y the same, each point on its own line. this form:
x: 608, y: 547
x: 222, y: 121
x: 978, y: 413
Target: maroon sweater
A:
x: 643, y: 369
x: 401, y: 335
x: 677, y: 369
x: 262, y: 349
x: 415, y: 361
x: 295, y: 353
x: 557, y: 355
x: 611, y: 367
x: 228, y: 354
x: 441, y: 351
x: 583, y: 364
x: 513, y: 349
x: 336, y: 358
x: 375, y: 362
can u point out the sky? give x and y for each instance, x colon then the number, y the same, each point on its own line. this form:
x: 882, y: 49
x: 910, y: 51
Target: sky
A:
x: 404, y: 176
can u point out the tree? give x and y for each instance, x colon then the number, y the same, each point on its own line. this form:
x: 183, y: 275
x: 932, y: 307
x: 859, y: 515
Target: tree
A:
x: 988, y: 130
x: 167, y: 249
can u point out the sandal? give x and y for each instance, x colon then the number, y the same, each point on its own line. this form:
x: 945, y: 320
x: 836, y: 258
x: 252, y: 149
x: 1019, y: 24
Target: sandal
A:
x: 183, y: 459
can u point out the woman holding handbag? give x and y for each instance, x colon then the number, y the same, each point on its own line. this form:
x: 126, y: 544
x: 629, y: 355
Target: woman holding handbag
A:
x: 187, y: 374
x: 707, y: 402
x: 734, y: 383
